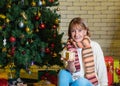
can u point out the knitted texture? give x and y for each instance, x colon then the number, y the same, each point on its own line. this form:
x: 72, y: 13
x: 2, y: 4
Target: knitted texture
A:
x: 71, y: 47
x: 88, y: 58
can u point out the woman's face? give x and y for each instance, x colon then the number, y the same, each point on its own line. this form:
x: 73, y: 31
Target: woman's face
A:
x: 77, y: 33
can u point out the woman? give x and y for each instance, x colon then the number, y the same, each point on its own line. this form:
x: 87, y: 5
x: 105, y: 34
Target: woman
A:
x: 88, y: 66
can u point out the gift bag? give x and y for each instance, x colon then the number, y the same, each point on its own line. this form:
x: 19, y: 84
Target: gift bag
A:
x: 110, y: 66
x: 116, y: 70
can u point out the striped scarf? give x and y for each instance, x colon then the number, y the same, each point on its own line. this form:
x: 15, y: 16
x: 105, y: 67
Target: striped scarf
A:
x: 88, y: 59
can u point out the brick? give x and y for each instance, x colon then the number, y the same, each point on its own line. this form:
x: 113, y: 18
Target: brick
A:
x: 102, y: 17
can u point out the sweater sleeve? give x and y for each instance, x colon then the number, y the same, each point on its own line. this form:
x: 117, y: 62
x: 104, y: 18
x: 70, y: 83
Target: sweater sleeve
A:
x: 100, y: 65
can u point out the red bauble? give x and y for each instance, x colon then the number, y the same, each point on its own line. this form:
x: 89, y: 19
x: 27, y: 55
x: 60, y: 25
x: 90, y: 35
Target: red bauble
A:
x: 42, y: 26
x: 47, y: 50
x: 13, y: 48
x: 37, y: 17
x: 12, y: 39
x: 51, y: 0
x: 52, y: 45
x: 54, y: 27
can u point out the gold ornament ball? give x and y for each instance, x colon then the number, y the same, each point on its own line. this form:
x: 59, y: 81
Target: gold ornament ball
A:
x: 56, y: 21
x: 43, y: 2
x: 4, y: 49
x: 37, y: 30
x: 54, y: 54
x: 7, y: 20
x: 33, y: 3
x: 27, y: 29
x: 39, y: 14
x: 8, y: 6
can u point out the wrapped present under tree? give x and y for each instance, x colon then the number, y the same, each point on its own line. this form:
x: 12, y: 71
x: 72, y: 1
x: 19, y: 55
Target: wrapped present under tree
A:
x: 110, y: 69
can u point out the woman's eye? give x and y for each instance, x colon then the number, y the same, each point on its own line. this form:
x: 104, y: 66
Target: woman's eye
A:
x: 72, y: 30
x: 79, y: 30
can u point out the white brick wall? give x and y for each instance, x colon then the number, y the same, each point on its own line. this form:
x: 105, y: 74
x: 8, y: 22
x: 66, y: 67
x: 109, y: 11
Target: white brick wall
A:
x: 103, y: 19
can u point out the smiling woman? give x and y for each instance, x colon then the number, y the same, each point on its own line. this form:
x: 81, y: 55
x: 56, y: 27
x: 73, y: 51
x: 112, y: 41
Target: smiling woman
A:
x: 86, y: 68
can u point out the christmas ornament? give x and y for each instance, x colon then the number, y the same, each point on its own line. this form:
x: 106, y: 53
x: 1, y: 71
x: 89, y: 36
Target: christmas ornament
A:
x: 39, y: 3
x: 37, y: 17
x: 37, y: 30
x: 12, y: 52
x: 54, y: 27
x: 2, y: 16
x: 54, y: 54
x: 52, y: 45
x: 42, y: 26
x: 21, y: 24
x: 27, y: 29
x: 56, y: 21
x: 51, y: 1
x: 43, y: 2
x: 8, y: 5
x: 7, y: 20
x: 23, y: 15
x: 47, y: 50
x: 39, y: 14
x: 33, y: 3
x: 4, y: 49
x: 4, y: 42
x: 12, y: 39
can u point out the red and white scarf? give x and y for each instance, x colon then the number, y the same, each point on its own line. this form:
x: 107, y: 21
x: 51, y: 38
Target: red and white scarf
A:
x: 88, y: 60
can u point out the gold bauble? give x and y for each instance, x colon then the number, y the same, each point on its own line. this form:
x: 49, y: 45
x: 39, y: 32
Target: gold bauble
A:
x: 33, y: 3
x: 4, y: 49
x: 56, y: 21
x: 27, y: 29
x: 37, y: 30
x: 7, y: 20
x: 54, y: 54
x: 8, y: 6
x: 39, y: 14
x: 43, y: 2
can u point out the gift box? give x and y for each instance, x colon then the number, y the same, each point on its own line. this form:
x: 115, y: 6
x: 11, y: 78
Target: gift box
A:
x: 44, y: 83
x: 50, y: 76
x: 116, y: 70
x: 3, y: 82
x: 110, y: 66
x: 28, y: 74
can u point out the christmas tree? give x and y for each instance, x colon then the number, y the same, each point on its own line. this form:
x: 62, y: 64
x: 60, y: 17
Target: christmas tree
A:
x: 29, y: 33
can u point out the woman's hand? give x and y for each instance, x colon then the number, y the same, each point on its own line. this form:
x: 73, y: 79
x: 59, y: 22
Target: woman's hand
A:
x: 71, y: 66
